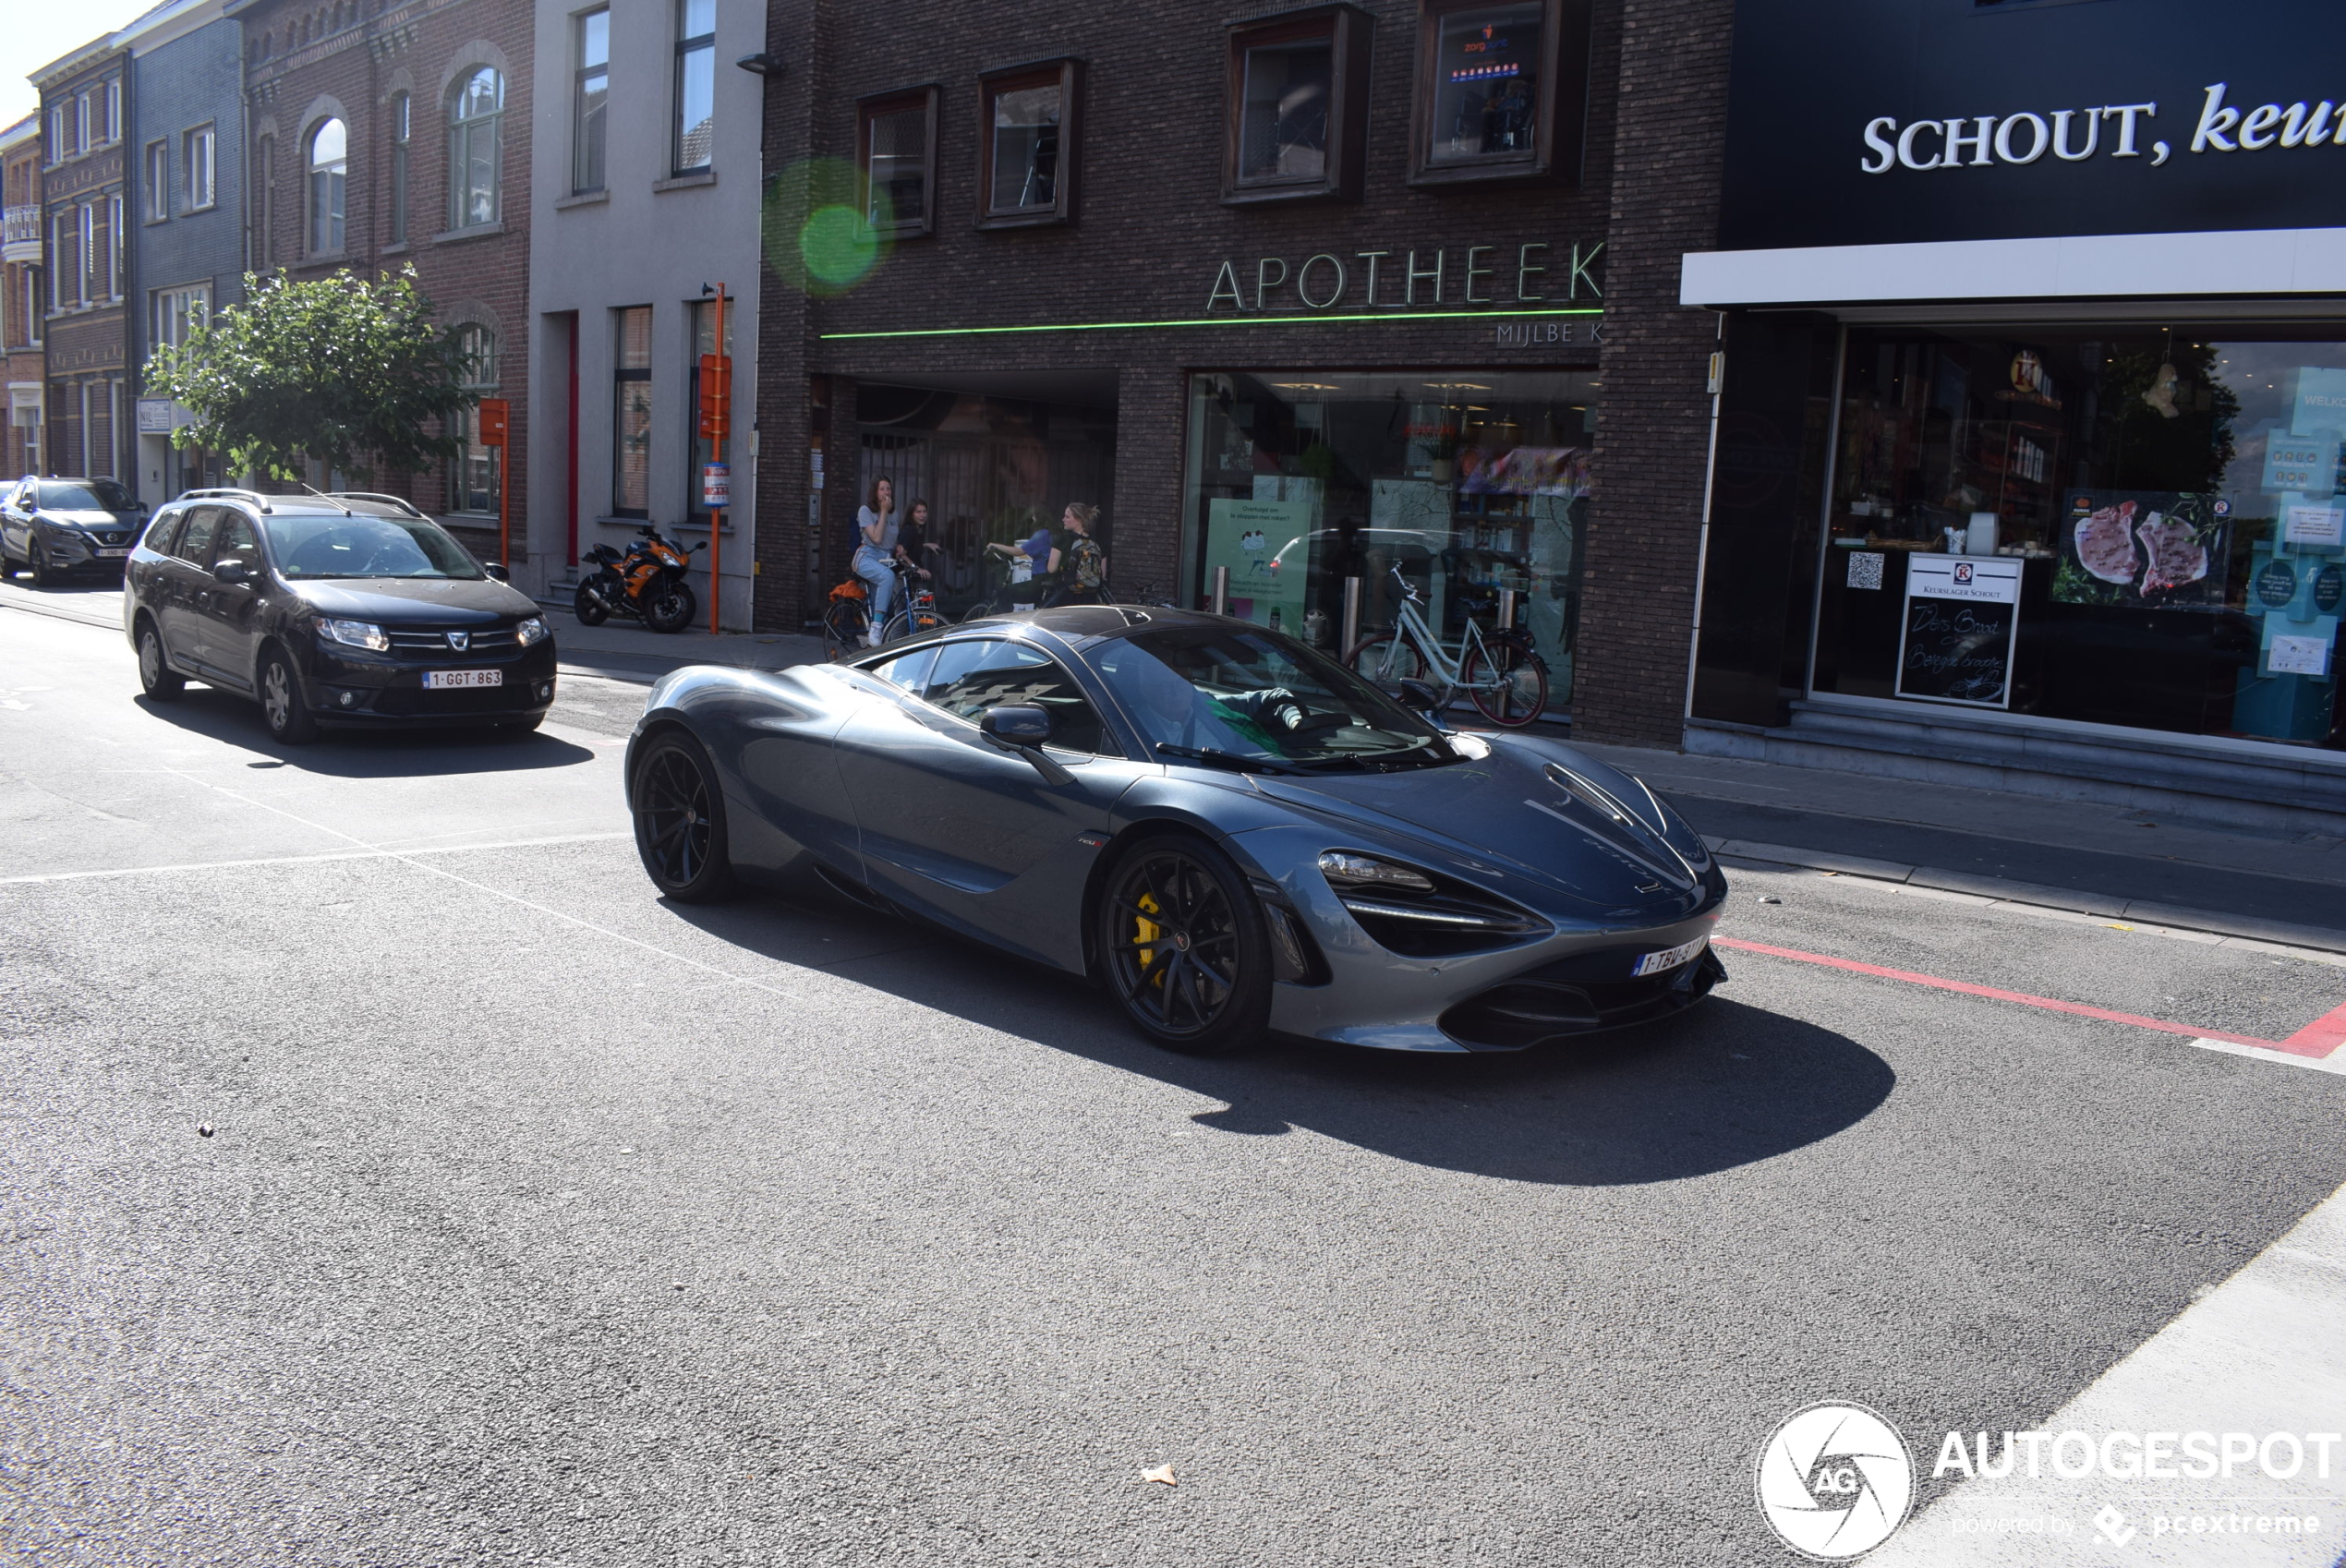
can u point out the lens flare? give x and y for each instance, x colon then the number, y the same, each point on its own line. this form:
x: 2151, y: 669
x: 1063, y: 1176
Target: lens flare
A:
x: 836, y: 246
x: 818, y: 237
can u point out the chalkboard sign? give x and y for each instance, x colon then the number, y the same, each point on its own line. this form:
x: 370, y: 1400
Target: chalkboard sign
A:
x: 1962, y: 615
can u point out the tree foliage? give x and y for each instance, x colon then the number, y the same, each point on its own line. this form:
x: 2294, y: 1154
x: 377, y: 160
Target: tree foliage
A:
x: 347, y: 371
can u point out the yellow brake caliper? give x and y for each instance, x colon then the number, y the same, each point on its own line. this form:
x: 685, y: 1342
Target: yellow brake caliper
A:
x: 1147, y: 933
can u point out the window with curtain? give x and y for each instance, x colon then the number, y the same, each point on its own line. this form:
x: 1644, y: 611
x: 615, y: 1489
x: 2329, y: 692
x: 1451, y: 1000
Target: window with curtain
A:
x: 475, y: 120
x: 402, y: 128
x: 591, y: 96
x: 696, y: 84
x: 898, y: 155
x: 476, y: 473
x: 328, y: 184
x: 631, y: 435
x: 196, y: 160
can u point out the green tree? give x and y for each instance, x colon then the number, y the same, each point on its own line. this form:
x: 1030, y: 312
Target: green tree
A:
x: 350, y: 372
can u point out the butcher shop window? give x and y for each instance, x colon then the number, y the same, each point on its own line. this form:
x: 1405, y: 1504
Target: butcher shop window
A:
x: 2165, y: 502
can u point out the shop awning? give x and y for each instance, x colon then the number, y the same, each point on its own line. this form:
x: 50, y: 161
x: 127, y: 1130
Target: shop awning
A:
x: 2253, y: 261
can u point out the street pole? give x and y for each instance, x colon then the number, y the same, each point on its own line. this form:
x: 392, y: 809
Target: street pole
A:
x: 716, y: 455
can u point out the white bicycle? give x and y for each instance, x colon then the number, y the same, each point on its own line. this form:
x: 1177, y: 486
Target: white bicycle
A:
x: 1501, y: 672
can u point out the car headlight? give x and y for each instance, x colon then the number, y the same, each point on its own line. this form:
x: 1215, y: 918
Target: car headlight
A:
x: 355, y: 634
x: 531, y: 632
x: 1341, y: 866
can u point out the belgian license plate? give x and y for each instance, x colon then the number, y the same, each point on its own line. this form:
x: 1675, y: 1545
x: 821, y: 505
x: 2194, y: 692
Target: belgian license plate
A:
x: 111, y: 552
x: 442, y: 679
x: 1669, y: 957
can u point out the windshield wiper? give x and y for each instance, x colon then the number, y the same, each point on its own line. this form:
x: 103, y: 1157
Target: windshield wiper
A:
x: 1234, y: 761
x: 1396, y: 756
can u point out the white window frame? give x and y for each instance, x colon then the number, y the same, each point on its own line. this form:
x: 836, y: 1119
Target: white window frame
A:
x: 200, y: 153
x: 157, y: 178
x: 189, y: 305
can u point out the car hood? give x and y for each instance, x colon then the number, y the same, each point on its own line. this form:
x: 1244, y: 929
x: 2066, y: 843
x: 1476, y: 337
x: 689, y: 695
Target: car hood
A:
x: 437, y: 600
x: 1535, y: 820
x: 90, y: 519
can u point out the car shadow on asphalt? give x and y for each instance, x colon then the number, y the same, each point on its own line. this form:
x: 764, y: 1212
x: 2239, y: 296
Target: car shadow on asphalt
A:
x: 365, y: 754
x: 1725, y: 1084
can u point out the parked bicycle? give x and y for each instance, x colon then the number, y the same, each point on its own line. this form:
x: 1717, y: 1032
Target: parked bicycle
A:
x: 847, y: 617
x: 1500, y: 672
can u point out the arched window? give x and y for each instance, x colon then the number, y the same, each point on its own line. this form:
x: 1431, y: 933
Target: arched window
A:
x: 329, y: 182
x: 477, y: 472
x: 400, y: 129
x: 476, y: 114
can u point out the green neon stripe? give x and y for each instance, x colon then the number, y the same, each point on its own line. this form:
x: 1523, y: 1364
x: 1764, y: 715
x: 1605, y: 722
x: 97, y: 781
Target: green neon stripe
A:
x: 1217, y: 321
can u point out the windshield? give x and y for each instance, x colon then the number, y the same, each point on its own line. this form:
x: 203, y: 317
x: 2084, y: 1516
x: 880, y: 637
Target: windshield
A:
x: 1255, y: 696
x: 309, y: 548
x: 85, y: 495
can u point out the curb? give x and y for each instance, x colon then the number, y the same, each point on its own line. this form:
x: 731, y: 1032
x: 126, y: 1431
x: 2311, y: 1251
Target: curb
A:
x: 2148, y: 911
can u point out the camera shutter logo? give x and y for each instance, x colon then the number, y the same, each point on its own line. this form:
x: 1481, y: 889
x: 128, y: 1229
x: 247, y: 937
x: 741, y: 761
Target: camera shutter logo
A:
x: 1835, y: 1481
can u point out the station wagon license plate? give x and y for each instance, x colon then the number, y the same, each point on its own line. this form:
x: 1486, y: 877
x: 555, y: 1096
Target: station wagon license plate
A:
x: 1669, y: 957
x: 442, y: 680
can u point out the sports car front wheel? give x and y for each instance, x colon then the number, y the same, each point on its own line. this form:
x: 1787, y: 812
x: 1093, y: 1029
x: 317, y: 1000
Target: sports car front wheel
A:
x: 1183, y: 945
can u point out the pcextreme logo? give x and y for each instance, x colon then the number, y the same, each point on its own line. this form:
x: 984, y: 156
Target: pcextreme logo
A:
x: 1835, y: 1482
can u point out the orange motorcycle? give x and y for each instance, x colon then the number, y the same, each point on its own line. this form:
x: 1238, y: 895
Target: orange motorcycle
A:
x: 646, y: 584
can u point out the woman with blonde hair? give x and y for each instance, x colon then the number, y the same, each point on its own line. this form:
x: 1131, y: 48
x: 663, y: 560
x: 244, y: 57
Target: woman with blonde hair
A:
x: 1078, y: 563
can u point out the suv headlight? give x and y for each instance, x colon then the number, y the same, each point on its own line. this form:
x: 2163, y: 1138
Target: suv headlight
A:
x: 355, y: 634
x: 531, y: 632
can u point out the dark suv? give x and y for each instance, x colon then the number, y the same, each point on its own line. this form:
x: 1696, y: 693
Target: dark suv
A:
x: 342, y: 609
x: 57, y: 529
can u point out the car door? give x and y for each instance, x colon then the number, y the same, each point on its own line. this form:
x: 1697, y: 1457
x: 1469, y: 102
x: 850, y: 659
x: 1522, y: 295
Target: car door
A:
x: 178, y: 582
x: 229, y: 613
x: 970, y: 832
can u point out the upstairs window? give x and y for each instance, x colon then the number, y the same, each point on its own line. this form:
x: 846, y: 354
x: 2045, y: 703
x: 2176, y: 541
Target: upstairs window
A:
x: 156, y: 205
x: 402, y: 133
x: 176, y: 310
x: 476, y: 121
x: 895, y: 146
x: 264, y: 199
x: 590, y: 98
x: 1298, y: 107
x: 695, y: 85
x: 1501, y: 90
x: 196, y: 164
x: 329, y: 185
x: 1027, y: 145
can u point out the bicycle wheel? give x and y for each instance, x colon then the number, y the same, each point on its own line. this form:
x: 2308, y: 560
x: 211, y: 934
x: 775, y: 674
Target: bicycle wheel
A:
x: 1385, y: 658
x: 1506, y: 681
x: 910, y: 623
x: 843, y: 625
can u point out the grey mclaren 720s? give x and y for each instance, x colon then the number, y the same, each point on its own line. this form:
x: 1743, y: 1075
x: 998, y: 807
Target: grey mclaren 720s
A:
x: 1230, y: 833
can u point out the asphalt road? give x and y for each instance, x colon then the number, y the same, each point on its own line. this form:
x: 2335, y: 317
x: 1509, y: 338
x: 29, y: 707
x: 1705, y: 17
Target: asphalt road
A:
x: 544, y: 1221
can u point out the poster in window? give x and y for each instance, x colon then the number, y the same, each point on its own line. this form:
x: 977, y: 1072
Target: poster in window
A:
x: 1247, y: 536
x: 1963, y: 613
x: 2147, y: 549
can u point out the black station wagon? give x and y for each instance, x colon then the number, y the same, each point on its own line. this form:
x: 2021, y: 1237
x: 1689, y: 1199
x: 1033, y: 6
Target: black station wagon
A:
x: 349, y: 609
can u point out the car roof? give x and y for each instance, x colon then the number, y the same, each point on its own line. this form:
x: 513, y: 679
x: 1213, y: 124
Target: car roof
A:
x: 1078, y: 623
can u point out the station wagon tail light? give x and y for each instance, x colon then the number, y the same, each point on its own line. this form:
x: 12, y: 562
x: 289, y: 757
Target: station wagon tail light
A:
x: 531, y: 632
x: 355, y: 634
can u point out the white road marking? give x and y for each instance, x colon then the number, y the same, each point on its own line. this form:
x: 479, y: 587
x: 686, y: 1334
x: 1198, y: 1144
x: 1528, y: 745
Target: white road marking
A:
x: 2335, y: 1062
x: 2265, y: 1352
x: 368, y: 854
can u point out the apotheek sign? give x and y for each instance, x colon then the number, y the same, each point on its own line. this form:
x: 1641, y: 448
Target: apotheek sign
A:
x: 1867, y: 122
x: 1526, y: 274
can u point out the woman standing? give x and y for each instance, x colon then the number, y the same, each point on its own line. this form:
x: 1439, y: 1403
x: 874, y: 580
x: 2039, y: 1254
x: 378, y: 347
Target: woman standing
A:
x: 1079, y: 566
x: 874, y: 543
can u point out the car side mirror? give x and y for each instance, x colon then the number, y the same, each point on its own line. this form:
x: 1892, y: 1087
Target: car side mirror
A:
x: 232, y: 571
x: 1423, y: 699
x: 1016, y: 724
x: 496, y: 569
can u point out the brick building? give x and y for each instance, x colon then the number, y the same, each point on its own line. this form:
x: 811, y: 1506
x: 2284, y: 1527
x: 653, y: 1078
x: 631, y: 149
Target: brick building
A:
x: 1320, y: 292
x: 186, y: 257
x: 381, y: 136
x: 22, y: 304
x: 83, y: 113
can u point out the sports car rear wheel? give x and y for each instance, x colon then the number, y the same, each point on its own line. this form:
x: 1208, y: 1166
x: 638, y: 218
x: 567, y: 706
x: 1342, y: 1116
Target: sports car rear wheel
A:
x: 679, y: 821
x: 1184, y: 945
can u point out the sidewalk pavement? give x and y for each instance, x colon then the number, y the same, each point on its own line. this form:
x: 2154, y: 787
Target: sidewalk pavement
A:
x: 625, y: 651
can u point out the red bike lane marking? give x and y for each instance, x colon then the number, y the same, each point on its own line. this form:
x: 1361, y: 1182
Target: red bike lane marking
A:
x: 2316, y: 1039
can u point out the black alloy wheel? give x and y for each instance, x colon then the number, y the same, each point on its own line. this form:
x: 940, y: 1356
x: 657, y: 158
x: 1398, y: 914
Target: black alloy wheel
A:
x: 45, y: 576
x: 588, y: 606
x: 669, y: 605
x: 1183, y: 945
x: 680, y: 820
x: 156, y: 678
x: 281, y: 708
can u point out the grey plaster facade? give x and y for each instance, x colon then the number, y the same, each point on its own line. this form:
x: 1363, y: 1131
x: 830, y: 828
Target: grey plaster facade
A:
x: 646, y: 234
x: 184, y: 178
